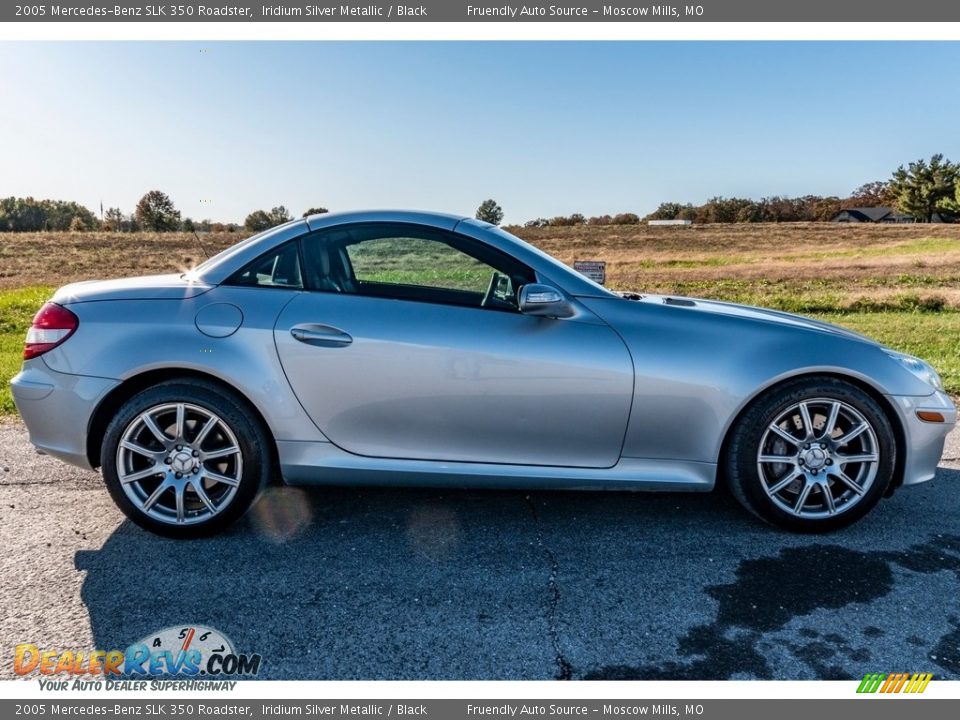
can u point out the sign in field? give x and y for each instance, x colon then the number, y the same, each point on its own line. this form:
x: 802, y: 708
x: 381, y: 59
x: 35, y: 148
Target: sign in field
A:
x: 596, y: 270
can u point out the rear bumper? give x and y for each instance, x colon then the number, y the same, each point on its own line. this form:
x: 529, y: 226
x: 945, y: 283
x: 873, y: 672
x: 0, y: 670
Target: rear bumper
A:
x: 924, y: 440
x: 56, y: 408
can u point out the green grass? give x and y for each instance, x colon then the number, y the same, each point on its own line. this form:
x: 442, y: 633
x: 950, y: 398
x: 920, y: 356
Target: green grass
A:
x: 17, y: 308
x: 811, y: 296
x: 929, y: 247
x: 934, y: 336
x: 924, y: 246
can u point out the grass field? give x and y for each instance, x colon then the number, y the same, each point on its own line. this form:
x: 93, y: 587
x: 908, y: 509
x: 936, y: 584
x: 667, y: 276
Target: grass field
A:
x: 898, y: 284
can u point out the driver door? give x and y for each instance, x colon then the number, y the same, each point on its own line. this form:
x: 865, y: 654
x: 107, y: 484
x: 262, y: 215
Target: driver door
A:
x: 410, y: 345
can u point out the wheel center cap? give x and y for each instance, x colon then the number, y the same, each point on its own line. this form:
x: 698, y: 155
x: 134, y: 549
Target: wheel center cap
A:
x: 182, y: 461
x: 814, y: 458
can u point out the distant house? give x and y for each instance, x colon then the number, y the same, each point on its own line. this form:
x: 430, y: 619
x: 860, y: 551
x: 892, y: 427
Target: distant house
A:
x: 669, y: 222
x: 871, y: 215
x: 885, y: 215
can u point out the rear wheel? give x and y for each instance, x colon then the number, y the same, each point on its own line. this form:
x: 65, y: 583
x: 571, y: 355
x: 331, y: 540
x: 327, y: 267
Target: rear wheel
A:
x: 184, y: 458
x: 813, y: 455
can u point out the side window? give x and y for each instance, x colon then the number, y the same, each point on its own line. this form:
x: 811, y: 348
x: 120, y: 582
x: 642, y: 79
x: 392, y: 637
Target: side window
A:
x: 417, y: 261
x: 278, y: 268
x: 413, y: 263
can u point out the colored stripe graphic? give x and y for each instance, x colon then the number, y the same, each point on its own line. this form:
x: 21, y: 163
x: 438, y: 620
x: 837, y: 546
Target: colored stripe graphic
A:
x: 894, y: 682
x: 871, y: 682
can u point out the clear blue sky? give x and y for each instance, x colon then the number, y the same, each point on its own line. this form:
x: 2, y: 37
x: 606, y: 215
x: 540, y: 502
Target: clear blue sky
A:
x: 545, y: 128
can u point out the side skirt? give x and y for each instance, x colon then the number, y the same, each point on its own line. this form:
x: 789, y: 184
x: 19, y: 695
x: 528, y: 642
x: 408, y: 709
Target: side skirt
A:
x: 316, y: 463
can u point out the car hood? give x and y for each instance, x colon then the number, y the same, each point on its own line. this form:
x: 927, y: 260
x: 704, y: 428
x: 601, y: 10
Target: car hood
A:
x: 149, y: 287
x: 753, y: 313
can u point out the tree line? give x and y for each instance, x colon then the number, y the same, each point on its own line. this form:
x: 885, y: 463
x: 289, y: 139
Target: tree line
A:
x: 154, y: 212
x: 920, y: 190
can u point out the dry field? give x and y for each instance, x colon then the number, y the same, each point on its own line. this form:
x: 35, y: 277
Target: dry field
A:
x: 802, y: 267
x: 61, y: 257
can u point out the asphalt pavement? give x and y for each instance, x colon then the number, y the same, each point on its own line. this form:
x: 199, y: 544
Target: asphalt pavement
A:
x: 339, y: 583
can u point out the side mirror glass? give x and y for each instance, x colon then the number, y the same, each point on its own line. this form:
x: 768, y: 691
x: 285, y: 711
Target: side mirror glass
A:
x: 544, y: 301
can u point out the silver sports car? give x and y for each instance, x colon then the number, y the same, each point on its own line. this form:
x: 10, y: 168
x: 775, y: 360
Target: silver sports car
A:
x: 425, y: 349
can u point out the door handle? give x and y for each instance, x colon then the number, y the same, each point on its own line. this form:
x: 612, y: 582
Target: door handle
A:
x: 321, y: 335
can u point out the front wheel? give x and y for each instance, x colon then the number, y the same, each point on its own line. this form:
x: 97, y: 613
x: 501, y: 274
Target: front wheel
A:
x: 812, y: 455
x: 184, y: 459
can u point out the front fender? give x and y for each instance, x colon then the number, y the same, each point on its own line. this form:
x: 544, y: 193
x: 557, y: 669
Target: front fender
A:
x: 696, y: 371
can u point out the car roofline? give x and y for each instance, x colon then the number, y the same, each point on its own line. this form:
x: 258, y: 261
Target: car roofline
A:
x: 444, y: 221
x: 216, y: 270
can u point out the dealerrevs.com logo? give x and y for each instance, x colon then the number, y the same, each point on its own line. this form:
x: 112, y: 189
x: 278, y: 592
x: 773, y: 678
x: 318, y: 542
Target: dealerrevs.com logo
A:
x: 191, y: 650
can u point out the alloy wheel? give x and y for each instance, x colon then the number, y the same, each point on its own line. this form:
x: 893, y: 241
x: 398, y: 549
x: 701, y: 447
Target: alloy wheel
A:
x: 818, y: 458
x: 179, y: 463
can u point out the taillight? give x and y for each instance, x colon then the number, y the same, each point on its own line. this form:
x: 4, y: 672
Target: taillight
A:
x: 51, y: 326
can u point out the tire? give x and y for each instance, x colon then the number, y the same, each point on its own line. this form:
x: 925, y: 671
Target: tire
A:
x: 201, y: 481
x: 817, y: 473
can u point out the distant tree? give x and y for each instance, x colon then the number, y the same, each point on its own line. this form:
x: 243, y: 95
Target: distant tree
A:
x: 490, y: 212
x: 113, y: 219
x: 626, y: 219
x: 315, y: 211
x: 600, y: 220
x: 188, y: 225
x: 780, y: 209
x: 77, y: 224
x: 923, y: 188
x: 218, y: 227
x: 749, y: 213
x: 826, y: 208
x: 666, y: 211
x: 29, y: 214
x: 258, y: 221
x: 155, y: 211
x: 722, y: 210
x: 279, y: 215
x: 872, y: 194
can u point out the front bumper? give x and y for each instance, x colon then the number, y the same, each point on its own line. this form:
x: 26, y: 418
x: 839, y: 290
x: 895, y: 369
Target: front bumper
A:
x: 56, y: 408
x: 924, y: 439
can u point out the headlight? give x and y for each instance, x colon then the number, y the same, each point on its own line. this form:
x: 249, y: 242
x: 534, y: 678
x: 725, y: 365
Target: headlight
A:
x: 918, y: 367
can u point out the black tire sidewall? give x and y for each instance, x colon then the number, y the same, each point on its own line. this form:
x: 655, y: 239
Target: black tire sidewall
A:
x: 251, y: 437
x: 741, y: 463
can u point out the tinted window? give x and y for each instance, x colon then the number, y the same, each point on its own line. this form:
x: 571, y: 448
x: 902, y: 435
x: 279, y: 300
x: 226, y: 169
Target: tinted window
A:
x: 417, y: 261
x: 278, y: 268
x: 412, y: 263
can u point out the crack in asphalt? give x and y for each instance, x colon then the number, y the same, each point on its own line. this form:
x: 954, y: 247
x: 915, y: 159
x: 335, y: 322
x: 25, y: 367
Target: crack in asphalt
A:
x: 564, y: 668
x: 19, y: 483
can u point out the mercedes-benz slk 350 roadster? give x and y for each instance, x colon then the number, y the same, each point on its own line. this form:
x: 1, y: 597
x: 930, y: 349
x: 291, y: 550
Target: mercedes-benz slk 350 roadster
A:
x: 424, y: 349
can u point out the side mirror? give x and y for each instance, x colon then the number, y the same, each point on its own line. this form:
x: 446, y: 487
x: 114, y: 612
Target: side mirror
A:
x: 544, y: 301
